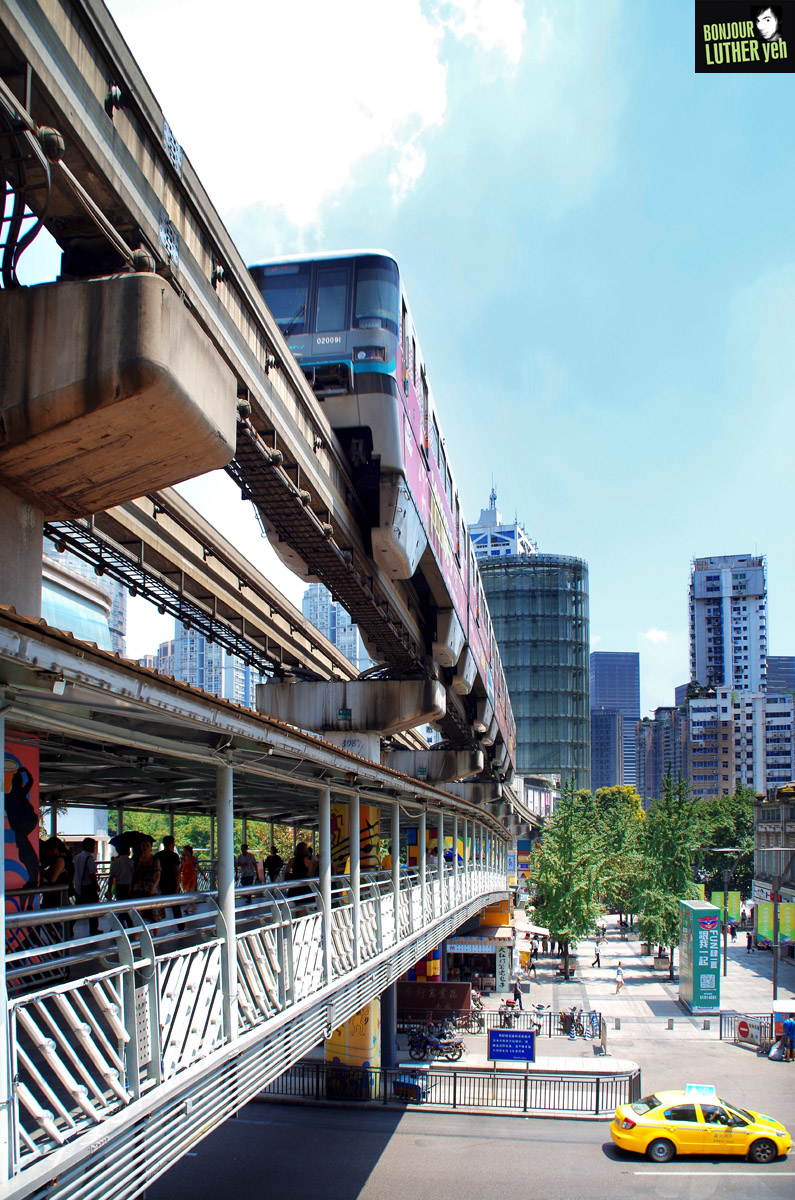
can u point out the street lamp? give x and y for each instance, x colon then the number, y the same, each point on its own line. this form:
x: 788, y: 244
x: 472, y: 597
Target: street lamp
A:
x: 728, y: 875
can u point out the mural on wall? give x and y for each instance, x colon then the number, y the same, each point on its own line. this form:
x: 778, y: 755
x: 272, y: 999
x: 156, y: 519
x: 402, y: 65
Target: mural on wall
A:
x: 432, y: 843
x: 369, y: 841
x: 21, y: 788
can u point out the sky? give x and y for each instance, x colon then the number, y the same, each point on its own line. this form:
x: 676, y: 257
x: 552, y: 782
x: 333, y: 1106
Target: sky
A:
x: 597, y: 245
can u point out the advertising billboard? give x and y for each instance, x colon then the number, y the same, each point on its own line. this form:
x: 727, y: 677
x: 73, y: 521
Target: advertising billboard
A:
x: 699, y: 955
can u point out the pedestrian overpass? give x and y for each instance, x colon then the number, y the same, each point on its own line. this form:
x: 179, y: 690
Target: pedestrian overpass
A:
x: 125, y: 1048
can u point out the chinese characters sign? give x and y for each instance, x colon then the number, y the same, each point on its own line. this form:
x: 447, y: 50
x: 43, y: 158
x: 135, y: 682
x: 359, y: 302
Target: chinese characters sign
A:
x: 699, y: 955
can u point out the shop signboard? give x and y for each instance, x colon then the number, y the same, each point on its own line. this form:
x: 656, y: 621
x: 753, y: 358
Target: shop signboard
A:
x: 699, y: 955
x: 471, y: 946
x: 503, y: 972
x: 734, y: 904
x: 512, y: 1045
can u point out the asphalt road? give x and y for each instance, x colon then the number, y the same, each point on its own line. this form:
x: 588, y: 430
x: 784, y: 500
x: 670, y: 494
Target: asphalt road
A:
x: 294, y: 1152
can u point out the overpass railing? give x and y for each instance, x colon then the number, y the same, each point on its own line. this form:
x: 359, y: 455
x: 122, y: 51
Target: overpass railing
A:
x: 97, y: 1021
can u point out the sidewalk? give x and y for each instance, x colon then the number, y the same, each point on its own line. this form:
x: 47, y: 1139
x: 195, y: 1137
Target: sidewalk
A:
x: 648, y: 998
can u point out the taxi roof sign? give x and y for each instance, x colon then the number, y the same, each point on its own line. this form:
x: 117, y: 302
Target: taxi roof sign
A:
x: 700, y: 1089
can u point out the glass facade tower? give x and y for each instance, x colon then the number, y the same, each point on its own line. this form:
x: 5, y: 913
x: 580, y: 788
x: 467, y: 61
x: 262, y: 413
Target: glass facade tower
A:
x: 615, y: 683
x: 539, y: 609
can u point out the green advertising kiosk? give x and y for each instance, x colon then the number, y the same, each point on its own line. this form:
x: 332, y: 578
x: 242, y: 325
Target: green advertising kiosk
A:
x: 699, y: 955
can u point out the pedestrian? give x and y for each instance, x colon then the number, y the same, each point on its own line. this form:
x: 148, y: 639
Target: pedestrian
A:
x: 619, y: 978
x: 749, y: 943
x: 54, y: 874
x: 517, y: 994
x: 247, y: 866
x: 121, y: 873
x: 531, y: 966
x: 86, y: 882
x: 544, y: 944
x: 190, y: 881
x: 597, y: 962
x: 170, y: 874
x: 534, y: 949
x: 146, y: 875
x: 789, y: 1037
x: 733, y: 932
x: 273, y: 865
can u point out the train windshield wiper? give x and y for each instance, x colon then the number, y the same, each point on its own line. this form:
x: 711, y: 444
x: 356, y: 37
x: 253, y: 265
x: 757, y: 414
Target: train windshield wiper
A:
x: 288, y: 329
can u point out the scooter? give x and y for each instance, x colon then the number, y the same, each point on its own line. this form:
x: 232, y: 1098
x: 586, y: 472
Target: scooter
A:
x: 507, y: 1011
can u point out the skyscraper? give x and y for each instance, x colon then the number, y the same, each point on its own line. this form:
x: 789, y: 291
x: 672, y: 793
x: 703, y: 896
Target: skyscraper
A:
x: 780, y: 673
x: 607, y: 748
x: 728, y: 622
x: 539, y: 609
x: 334, y: 622
x: 662, y: 745
x: 615, y: 683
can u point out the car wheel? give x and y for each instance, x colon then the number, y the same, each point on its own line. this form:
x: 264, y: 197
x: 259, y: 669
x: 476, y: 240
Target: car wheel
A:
x: 763, y: 1151
x: 660, y: 1150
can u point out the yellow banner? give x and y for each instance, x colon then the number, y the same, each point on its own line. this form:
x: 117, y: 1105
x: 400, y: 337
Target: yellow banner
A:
x: 733, y: 904
x: 786, y: 922
x: 701, y: 889
x: 764, y: 920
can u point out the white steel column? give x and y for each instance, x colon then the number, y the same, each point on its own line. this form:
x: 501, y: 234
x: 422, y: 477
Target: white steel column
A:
x: 396, y: 865
x: 466, y: 859
x: 324, y: 829
x: 355, y: 842
x: 421, y: 838
x: 6, y: 1096
x: 120, y: 818
x: 456, y: 897
x: 244, y: 830
x: 440, y: 857
x: 224, y: 806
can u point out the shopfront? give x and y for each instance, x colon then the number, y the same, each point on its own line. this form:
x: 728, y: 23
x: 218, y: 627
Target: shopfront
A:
x: 483, y: 960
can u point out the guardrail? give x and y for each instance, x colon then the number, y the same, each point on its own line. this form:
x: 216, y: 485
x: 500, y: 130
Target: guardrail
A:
x: 547, y: 1023
x: 97, y: 1022
x: 729, y: 1022
x: 588, y: 1093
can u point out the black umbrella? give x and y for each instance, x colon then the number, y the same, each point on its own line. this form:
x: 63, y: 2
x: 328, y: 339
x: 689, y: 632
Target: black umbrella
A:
x: 129, y: 839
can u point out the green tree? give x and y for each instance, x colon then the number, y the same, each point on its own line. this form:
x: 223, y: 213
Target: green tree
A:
x: 727, y: 821
x: 619, y: 826
x: 566, y: 871
x: 672, y: 834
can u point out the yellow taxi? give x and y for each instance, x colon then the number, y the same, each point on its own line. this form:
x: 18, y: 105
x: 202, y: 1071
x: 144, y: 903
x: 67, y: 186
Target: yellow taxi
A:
x: 696, y: 1121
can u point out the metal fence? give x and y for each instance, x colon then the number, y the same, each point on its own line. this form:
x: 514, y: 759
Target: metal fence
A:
x: 588, y: 1093
x: 546, y: 1024
x: 730, y: 1020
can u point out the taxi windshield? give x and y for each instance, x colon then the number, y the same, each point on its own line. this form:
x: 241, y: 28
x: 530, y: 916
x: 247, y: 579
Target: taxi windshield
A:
x: 740, y: 1111
x: 645, y: 1105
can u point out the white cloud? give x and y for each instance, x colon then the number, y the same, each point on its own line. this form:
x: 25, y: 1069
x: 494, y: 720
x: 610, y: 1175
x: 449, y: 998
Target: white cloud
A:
x: 494, y: 24
x: 278, y: 105
x: 655, y: 635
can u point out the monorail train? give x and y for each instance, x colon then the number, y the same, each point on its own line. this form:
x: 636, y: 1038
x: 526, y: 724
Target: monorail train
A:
x: 346, y: 319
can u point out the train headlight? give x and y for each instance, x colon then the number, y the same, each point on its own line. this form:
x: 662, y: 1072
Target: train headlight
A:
x: 370, y: 354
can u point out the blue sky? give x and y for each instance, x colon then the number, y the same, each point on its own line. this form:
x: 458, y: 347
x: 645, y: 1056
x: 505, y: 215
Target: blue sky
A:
x: 597, y: 245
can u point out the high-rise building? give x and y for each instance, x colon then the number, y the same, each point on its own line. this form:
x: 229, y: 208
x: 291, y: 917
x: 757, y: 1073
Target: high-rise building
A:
x: 539, y: 610
x: 662, y: 745
x: 728, y: 622
x: 615, y: 683
x: 334, y: 622
x: 607, y: 748
x: 739, y: 737
x: 780, y: 673
x: 95, y: 611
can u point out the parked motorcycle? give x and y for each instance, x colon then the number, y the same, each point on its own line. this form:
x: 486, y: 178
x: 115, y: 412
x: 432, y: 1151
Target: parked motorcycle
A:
x: 421, y: 1044
x: 507, y: 1012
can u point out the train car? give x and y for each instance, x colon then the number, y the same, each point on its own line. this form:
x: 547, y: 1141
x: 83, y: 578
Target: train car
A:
x: 347, y: 321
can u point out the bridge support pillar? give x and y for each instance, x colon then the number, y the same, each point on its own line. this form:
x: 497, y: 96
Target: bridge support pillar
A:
x: 226, y: 893
x: 20, y: 553
x: 396, y: 865
x: 455, y: 858
x: 389, y: 1027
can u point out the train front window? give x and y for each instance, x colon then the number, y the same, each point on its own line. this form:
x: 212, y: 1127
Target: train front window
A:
x: 285, y: 287
x: 331, y: 313
x: 376, y: 303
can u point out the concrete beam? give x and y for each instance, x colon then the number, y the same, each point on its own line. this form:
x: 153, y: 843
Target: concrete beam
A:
x: 476, y: 793
x: 436, y: 766
x: 374, y: 705
x: 109, y: 390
